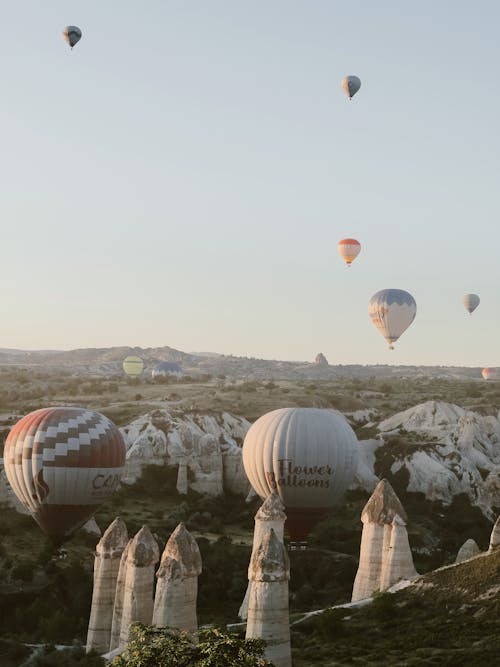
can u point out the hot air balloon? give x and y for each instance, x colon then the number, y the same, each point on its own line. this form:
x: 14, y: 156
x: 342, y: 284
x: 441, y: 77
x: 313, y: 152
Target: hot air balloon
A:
x: 306, y: 456
x: 72, y: 34
x: 392, y: 311
x: 63, y: 463
x: 349, y: 249
x: 350, y: 85
x: 133, y: 366
x: 471, y: 302
x: 490, y: 373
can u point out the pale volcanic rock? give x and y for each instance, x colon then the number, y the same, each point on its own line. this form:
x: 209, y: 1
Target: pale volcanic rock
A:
x: 463, y: 458
x: 321, y: 360
x: 143, y: 554
x: 116, y: 624
x: 469, y: 549
x: 91, y: 528
x: 108, y: 554
x: 385, y: 555
x: 204, y: 447
x: 177, y: 588
x: 268, y: 614
x: 495, y: 535
x: 271, y: 514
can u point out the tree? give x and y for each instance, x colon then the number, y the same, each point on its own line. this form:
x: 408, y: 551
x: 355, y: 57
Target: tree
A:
x: 164, y: 647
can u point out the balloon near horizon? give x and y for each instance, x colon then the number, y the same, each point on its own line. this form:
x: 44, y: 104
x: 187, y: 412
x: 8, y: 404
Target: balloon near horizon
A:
x: 62, y: 464
x: 133, y: 366
x: 304, y: 455
x: 490, y: 374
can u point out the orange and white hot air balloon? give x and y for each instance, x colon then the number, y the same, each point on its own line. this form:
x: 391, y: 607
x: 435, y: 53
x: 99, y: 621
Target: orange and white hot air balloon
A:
x: 490, y: 374
x: 349, y: 249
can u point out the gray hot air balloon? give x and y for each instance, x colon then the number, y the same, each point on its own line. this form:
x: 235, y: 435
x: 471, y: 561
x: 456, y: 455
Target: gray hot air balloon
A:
x: 350, y: 85
x: 305, y: 455
x: 72, y: 34
x: 471, y: 302
x: 392, y: 311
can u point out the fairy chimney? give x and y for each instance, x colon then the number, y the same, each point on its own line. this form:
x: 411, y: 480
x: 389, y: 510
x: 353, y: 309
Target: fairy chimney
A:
x: 469, y: 549
x: 106, y: 564
x: 495, y: 535
x: 268, y: 615
x: 177, y: 587
x: 118, y: 604
x: 271, y: 514
x: 385, y: 555
x: 143, y: 554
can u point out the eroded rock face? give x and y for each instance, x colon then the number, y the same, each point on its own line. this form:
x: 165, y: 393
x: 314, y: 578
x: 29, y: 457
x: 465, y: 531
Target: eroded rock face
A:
x: 204, y: 448
x: 385, y: 556
x: 320, y: 360
x: 469, y: 549
x: 268, y: 615
x: 177, y: 588
x: 495, y: 535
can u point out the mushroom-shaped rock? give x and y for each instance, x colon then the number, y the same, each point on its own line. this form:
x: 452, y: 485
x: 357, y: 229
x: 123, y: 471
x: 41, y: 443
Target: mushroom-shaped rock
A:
x: 108, y: 554
x: 495, y: 535
x: 143, y: 554
x: 177, y: 588
x: 385, y: 554
x: 469, y: 549
x: 271, y: 514
x: 268, y: 615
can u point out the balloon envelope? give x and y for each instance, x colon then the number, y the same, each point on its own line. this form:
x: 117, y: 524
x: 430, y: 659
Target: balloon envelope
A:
x: 306, y: 456
x: 63, y: 463
x: 490, y: 374
x: 350, y: 85
x: 349, y: 249
x: 166, y: 369
x: 133, y: 366
x: 72, y: 35
x: 392, y: 311
x: 471, y: 302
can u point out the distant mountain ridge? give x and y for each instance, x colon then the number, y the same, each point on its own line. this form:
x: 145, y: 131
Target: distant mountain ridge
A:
x: 107, y: 361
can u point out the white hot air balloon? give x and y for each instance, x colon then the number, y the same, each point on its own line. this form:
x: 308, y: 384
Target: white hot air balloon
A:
x: 392, y: 311
x: 350, y: 85
x: 306, y: 456
x: 471, y: 302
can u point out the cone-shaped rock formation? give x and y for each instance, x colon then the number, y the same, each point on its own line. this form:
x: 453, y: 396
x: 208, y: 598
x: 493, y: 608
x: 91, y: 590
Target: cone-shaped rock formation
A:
x: 385, y: 555
x: 142, y: 556
x: 495, y: 535
x: 177, y: 588
x: 268, y: 615
x: 108, y: 554
x: 469, y: 549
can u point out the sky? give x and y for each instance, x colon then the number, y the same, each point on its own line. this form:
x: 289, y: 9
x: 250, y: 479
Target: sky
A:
x: 183, y: 176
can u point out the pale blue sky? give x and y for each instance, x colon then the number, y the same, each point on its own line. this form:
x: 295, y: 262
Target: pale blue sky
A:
x: 183, y: 176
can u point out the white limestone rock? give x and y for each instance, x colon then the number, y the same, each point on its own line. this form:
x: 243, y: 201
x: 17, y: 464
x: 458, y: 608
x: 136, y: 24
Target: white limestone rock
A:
x: 495, y: 535
x: 177, y: 588
x: 268, y: 614
x: 116, y: 624
x: 142, y: 557
x: 469, y: 549
x: 108, y: 554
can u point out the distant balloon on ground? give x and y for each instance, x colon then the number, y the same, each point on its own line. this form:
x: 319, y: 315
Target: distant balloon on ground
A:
x: 62, y: 464
x: 349, y: 249
x: 133, y: 366
x: 392, y: 311
x: 490, y: 374
x: 307, y: 456
x: 72, y: 35
x: 471, y: 302
x: 350, y: 85
x: 166, y: 369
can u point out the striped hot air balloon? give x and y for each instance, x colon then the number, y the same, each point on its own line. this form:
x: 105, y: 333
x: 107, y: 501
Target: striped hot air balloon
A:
x: 306, y: 456
x: 392, y: 311
x: 349, y: 249
x: 471, y: 302
x: 63, y: 463
x: 133, y: 366
x: 490, y: 374
x: 72, y: 35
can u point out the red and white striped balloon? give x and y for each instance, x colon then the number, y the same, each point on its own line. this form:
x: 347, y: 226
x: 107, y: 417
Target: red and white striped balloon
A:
x: 63, y: 463
x: 349, y: 249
